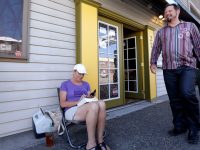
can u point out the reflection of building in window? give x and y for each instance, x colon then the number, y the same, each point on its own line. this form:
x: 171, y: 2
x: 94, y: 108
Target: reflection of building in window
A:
x: 9, y: 45
x: 115, y: 65
x: 103, y: 62
x: 114, y: 92
x: 104, y: 74
x: 103, y: 41
x: 108, y: 61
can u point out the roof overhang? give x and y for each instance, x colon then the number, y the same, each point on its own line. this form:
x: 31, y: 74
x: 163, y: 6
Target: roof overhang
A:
x: 159, y: 6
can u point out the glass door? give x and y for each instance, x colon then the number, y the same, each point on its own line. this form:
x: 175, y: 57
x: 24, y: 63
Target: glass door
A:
x: 130, y: 65
x: 109, y: 68
x: 133, y: 68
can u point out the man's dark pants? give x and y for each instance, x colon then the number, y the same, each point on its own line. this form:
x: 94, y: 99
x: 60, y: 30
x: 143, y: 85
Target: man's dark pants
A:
x: 180, y: 85
x: 198, y: 79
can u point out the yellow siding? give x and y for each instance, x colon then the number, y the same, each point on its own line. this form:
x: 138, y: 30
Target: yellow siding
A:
x: 152, y: 77
x: 89, y: 48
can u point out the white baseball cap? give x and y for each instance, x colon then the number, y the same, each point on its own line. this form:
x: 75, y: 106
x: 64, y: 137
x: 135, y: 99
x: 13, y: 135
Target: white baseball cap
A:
x: 80, y: 68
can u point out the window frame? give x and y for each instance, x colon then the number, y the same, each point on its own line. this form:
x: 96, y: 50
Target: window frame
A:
x: 126, y: 61
x: 25, y: 37
x: 118, y: 67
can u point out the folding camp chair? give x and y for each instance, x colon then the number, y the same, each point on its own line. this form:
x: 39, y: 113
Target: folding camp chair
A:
x: 68, y: 124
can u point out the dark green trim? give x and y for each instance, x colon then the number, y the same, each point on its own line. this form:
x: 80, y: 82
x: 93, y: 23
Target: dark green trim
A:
x: 78, y: 31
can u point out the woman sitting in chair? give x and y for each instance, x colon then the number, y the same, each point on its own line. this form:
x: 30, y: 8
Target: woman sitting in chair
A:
x: 94, y: 113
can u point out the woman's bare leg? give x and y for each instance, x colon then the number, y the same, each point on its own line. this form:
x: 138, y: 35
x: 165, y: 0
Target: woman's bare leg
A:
x: 101, y: 124
x: 89, y: 113
x: 101, y: 121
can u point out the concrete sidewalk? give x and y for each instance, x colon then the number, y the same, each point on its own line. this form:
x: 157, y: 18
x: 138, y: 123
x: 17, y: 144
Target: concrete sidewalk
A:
x: 138, y: 126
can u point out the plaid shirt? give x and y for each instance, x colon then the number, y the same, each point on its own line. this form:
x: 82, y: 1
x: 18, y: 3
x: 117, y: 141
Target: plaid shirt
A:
x: 177, y: 45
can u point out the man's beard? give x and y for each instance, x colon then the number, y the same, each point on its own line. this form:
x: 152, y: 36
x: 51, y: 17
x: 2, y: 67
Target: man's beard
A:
x: 169, y: 19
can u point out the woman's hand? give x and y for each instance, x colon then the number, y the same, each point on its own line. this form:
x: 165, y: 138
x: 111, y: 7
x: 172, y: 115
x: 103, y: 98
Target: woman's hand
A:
x: 83, y: 96
x: 89, y: 96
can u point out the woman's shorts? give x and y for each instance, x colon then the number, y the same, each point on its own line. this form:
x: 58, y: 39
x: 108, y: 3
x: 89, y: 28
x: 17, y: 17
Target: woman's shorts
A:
x: 70, y: 113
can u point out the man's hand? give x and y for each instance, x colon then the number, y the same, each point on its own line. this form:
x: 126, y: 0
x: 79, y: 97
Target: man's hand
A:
x: 153, y: 68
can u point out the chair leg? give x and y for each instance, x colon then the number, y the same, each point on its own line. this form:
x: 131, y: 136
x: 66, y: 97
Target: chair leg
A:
x: 104, y: 134
x: 69, y: 138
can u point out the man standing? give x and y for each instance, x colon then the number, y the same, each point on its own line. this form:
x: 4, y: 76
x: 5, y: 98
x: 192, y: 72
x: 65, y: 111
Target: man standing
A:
x: 176, y: 41
x: 198, y: 76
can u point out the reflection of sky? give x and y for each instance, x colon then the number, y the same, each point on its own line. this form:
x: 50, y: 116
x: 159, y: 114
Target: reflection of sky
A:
x: 11, y: 18
x: 111, y: 49
x: 105, y: 46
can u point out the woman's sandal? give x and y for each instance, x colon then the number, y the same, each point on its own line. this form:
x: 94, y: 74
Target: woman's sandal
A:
x: 102, y: 145
x: 93, y: 148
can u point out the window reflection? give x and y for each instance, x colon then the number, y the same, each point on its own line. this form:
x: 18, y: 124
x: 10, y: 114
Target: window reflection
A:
x: 112, y: 40
x: 125, y: 54
x: 103, y: 61
x: 126, y: 86
x: 131, y: 53
x: 103, y: 38
x: 108, y: 61
x: 126, y: 75
x: 130, y: 64
x: 132, y: 74
x: 11, y: 27
x: 113, y: 76
x: 131, y: 43
x: 103, y: 76
x: 132, y: 86
x: 113, y: 90
x: 104, y: 92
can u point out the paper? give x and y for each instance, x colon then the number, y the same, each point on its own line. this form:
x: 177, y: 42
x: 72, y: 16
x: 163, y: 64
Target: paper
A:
x: 87, y: 100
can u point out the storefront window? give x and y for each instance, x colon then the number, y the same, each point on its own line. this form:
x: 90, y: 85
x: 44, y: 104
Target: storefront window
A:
x: 108, y: 61
x: 13, y: 26
x: 130, y: 65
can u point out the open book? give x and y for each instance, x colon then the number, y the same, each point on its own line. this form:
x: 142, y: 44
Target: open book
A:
x: 86, y: 100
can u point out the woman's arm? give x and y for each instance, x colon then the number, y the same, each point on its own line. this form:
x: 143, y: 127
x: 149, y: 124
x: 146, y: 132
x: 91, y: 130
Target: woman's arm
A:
x: 63, y: 101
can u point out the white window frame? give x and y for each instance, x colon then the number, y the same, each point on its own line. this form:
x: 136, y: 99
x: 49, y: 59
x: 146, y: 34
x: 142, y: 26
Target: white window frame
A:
x: 118, y: 67
x: 136, y: 68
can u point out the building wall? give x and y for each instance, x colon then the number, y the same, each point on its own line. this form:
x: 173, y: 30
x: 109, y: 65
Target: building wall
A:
x: 132, y: 10
x: 186, y: 3
x: 196, y: 3
x: 161, y: 89
x: 139, y: 13
x: 24, y: 87
x: 194, y: 8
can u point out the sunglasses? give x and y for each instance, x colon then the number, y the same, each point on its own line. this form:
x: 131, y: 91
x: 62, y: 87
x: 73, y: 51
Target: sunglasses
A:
x: 81, y: 74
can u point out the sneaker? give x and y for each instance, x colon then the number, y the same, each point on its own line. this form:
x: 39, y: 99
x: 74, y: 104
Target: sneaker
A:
x: 176, y: 132
x: 193, y: 137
